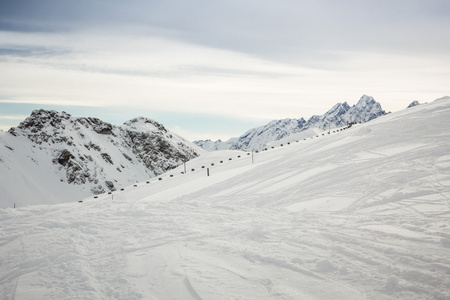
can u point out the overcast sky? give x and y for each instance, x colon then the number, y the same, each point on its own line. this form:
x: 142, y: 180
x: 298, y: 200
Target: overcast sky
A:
x: 214, y: 69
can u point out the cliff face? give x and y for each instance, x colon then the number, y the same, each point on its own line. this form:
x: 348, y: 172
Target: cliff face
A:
x: 86, y: 153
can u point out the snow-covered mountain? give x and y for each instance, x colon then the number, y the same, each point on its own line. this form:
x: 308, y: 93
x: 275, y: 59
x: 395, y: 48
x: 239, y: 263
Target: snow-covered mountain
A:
x: 54, y: 157
x: 358, y: 214
x: 339, y: 115
x: 414, y: 103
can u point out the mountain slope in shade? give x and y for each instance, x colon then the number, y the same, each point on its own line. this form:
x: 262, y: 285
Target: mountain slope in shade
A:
x: 339, y: 115
x: 52, y: 157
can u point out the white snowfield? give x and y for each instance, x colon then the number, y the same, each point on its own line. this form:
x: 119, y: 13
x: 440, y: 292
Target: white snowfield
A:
x: 358, y: 214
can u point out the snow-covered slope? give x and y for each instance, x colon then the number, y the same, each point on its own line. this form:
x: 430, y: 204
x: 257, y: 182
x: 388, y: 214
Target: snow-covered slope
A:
x: 53, y: 157
x: 338, y: 116
x: 358, y: 214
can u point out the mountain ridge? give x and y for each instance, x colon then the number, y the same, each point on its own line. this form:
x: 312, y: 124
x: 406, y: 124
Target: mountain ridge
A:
x: 85, y: 155
x: 340, y: 115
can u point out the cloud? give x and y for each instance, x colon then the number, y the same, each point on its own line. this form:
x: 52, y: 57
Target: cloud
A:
x: 13, y: 117
x: 149, y: 71
x: 270, y: 29
x: 154, y: 73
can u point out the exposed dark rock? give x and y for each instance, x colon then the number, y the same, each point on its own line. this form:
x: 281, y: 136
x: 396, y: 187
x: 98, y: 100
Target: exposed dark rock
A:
x: 97, y: 125
x: 107, y: 158
x: 65, y: 157
x: 127, y: 157
x: 12, y: 131
x: 93, y: 146
x: 110, y: 185
x: 96, y: 190
x: 414, y: 103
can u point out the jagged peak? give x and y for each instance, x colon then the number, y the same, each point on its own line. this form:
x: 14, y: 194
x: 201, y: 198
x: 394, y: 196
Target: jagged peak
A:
x: 46, y: 115
x: 41, y: 118
x: 414, y: 103
x: 341, y: 107
x: 49, y: 113
x: 140, y: 119
x: 281, y: 122
x: 276, y: 122
x: 341, y: 114
x: 337, y: 105
x: 144, y: 123
x: 364, y: 100
x: 313, y: 118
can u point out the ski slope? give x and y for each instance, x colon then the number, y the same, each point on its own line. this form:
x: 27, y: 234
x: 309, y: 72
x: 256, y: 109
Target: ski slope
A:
x: 358, y: 214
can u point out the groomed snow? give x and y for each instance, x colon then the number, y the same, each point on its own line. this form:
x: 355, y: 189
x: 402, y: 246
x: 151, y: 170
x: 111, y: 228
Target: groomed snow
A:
x: 358, y: 214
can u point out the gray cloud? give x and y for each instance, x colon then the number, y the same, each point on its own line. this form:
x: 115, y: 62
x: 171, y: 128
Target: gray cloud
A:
x: 284, y: 30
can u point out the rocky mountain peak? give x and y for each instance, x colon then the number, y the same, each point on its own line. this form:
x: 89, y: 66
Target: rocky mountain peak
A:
x: 340, y: 115
x: 96, y: 155
x: 96, y: 125
x: 414, y: 103
x: 42, y: 118
x: 365, y: 100
x: 367, y: 109
x: 337, y: 110
x: 142, y: 123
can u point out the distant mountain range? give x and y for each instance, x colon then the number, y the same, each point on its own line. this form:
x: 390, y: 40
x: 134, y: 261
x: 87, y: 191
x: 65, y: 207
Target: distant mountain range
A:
x: 53, y: 156
x: 339, y: 115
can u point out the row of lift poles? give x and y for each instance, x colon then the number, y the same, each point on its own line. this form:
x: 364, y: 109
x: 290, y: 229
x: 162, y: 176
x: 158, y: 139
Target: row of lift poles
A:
x: 207, y: 169
x: 253, y: 160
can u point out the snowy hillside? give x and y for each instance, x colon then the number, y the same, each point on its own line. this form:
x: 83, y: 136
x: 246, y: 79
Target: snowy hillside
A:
x: 362, y: 213
x: 338, y: 116
x: 53, y: 157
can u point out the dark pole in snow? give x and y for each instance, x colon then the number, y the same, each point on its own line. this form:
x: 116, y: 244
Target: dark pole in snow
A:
x: 207, y: 171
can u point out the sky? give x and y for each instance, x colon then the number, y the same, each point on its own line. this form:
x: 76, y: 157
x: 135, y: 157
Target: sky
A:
x: 215, y: 69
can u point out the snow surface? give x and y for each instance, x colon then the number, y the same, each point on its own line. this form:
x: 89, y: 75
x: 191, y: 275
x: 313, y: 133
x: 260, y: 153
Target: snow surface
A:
x: 362, y: 213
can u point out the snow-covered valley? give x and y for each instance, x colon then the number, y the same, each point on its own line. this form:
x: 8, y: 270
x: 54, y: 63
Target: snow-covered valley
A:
x: 362, y: 213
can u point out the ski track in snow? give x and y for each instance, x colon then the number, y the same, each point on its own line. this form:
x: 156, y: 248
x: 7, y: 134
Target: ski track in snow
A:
x: 360, y: 214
